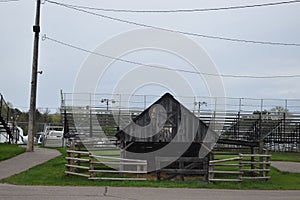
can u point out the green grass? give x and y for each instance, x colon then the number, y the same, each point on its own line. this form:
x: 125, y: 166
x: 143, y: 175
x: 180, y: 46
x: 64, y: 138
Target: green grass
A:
x: 286, y: 156
x: 52, y: 173
x: 10, y: 150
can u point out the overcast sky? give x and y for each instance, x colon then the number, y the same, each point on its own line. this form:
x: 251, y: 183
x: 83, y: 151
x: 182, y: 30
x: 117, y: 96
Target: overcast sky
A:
x: 61, y: 64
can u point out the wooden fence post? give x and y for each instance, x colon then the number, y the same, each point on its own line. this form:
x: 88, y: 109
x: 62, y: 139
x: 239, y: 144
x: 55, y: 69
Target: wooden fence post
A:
x: 210, y: 172
x: 267, y: 166
x: 211, y: 167
x: 69, y: 163
x: 240, y: 176
x: 92, y: 167
x: 181, y: 166
x: 205, y: 168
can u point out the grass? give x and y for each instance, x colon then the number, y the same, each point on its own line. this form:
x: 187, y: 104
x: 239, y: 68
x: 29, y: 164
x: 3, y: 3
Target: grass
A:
x: 10, y: 150
x: 286, y: 156
x: 52, y: 173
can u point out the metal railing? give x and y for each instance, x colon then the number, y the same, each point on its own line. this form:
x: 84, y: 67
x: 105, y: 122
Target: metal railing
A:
x: 5, y: 111
x: 6, y: 134
x: 196, y: 104
x: 239, y: 118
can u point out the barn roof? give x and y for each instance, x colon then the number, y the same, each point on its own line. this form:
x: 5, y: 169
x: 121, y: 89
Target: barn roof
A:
x: 166, y: 100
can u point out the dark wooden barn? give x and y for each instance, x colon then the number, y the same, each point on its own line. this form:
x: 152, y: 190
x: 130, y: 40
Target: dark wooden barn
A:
x: 170, y: 137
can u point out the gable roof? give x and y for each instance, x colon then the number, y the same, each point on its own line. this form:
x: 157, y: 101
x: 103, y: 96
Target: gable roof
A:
x: 170, y: 104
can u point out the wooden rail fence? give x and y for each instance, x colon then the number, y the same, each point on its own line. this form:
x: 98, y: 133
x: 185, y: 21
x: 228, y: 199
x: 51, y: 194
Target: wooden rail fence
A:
x: 244, y: 166
x: 257, y: 168
x: 86, y: 164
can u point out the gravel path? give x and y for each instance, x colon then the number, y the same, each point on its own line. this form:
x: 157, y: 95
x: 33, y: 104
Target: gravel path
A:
x: 286, y: 166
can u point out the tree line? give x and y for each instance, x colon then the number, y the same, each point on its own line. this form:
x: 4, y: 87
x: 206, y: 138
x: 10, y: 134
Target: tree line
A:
x: 42, y: 117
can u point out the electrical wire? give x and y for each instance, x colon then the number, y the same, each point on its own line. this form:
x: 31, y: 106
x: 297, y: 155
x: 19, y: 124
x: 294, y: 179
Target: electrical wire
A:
x: 7, y: 1
x: 166, y: 68
x: 175, y: 31
x: 182, y: 10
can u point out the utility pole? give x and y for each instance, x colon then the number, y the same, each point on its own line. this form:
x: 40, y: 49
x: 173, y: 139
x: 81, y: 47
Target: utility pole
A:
x: 32, y: 110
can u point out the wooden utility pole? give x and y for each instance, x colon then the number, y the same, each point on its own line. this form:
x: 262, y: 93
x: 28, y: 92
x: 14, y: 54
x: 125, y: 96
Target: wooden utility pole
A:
x: 32, y: 110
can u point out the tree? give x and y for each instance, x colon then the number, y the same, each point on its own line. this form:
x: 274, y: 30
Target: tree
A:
x: 264, y: 112
x: 278, y: 110
x: 41, y: 119
x: 10, y: 105
x: 55, y: 118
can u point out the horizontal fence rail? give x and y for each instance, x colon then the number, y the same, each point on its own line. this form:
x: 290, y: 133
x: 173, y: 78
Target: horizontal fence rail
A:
x: 243, y: 167
x: 93, y: 167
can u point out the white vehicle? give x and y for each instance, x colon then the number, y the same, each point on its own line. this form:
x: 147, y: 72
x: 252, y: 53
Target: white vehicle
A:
x: 53, y: 136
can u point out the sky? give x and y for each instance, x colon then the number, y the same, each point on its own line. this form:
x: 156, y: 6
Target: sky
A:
x: 61, y: 65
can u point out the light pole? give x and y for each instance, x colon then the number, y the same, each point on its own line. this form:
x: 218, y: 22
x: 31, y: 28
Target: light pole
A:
x: 107, y: 102
x: 199, y: 103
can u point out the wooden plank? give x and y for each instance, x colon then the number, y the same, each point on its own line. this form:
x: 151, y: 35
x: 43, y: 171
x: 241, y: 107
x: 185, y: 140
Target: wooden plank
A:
x: 255, y: 162
x: 225, y: 172
x: 118, y: 163
x: 224, y: 160
x: 79, y: 152
x: 255, y: 155
x: 103, y: 149
x: 259, y: 177
x: 78, y: 159
x: 225, y: 180
x: 222, y: 165
x: 118, y: 179
x: 255, y: 170
x: 120, y: 171
x: 77, y: 174
x: 77, y: 166
x: 110, y: 154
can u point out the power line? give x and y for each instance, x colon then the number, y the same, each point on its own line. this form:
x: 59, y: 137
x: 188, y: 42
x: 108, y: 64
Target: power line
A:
x: 175, y: 31
x: 166, y: 68
x: 182, y: 10
x: 7, y: 1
